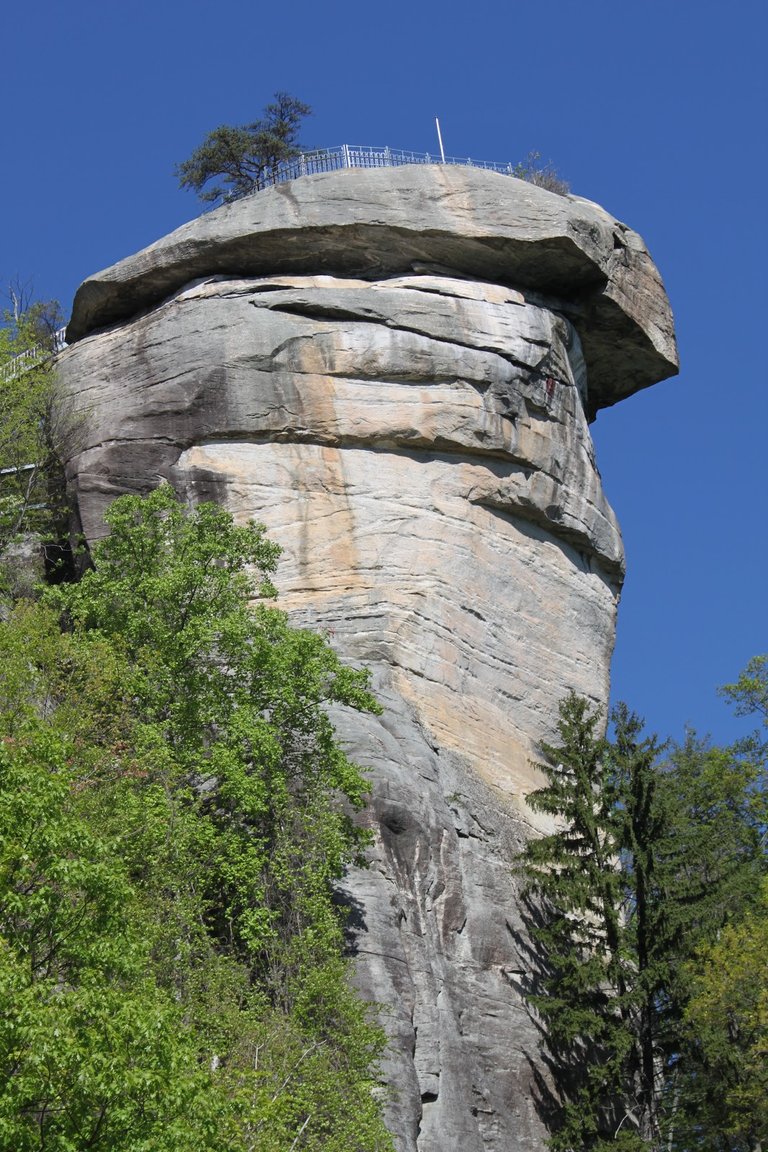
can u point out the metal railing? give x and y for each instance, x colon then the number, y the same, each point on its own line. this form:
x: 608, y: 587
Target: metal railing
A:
x: 33, y: 356
x: 363, y: 156
x: 306, y: 164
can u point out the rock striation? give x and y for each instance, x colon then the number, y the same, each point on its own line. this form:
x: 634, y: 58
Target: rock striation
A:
x: 394, y: 370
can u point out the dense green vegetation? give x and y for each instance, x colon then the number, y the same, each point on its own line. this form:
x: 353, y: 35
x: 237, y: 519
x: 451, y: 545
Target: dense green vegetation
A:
x: 32, y: 490
x: 648, y: 906
x: 171, y: 826
x: 175, y: 812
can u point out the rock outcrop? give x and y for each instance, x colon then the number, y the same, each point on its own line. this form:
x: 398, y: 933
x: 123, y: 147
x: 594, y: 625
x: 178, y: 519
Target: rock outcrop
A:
x: 394, y: 370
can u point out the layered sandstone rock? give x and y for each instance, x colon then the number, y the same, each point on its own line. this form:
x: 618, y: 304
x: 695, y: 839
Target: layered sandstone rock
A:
x: 394, y: 371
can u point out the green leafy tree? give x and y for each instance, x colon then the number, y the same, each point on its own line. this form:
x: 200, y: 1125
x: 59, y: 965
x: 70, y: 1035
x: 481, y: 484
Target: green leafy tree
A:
x: 715, y: 863
x: 234, y: 698
x: 93, y: 1052
x: 32, y: 488
x: 728, y: 1016
x: 750, y: 692
x: 707, y: 868
x: 170, y: 939
x: 246, y: 158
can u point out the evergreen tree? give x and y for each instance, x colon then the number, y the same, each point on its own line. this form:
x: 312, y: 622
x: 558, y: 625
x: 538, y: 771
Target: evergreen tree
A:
x: 595, y: 928
x: 649, y: 862
x: 713, y: 863
x: 246, y: 158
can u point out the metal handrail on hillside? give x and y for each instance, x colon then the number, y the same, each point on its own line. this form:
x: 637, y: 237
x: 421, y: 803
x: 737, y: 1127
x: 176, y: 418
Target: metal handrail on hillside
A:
x: 25, y: 362
x: 33, y: 356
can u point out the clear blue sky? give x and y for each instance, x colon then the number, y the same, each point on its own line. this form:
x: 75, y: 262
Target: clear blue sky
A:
x: 655, y: 109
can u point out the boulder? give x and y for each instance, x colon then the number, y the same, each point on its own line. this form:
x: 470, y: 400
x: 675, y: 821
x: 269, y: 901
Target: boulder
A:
x: 394, y: 371
x: 383, y: 221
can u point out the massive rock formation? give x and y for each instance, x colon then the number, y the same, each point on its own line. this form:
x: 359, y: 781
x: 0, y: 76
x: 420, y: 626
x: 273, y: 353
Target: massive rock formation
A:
x: 394, y: 370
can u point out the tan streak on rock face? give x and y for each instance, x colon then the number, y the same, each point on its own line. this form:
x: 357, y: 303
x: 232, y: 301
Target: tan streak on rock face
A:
x: 471, y: 664
x: 395, y: 373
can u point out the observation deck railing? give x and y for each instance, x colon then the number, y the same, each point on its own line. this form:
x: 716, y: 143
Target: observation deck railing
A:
x: 306, y: 164
x: 363, y: 156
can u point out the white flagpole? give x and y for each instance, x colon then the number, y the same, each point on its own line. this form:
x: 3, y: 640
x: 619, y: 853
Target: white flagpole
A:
x: 440, y: 140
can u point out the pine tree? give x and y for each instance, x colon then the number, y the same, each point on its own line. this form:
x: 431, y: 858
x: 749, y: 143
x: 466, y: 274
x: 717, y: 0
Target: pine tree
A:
x: 652, y: 859
x: 595, y: 927
x: 247, y: 157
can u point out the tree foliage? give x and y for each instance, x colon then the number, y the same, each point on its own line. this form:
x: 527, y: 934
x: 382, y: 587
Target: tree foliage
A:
x: 32, y: 490
x: 245, y: 158
x: 750, y: 692
x: 174, y: 811
x: 652, y: 859
x: 727, y: 1016
x: 543, y: 175
x: 595, y: 927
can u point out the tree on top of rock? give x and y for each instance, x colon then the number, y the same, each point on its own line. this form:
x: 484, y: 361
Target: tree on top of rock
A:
x: 246, y: 158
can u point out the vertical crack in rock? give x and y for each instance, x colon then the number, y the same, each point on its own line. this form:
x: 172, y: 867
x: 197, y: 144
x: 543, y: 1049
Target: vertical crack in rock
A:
x: 395, y: 372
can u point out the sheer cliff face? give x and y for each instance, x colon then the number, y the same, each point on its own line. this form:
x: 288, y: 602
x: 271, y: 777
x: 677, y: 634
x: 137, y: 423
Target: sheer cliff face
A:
x: 394, y: 370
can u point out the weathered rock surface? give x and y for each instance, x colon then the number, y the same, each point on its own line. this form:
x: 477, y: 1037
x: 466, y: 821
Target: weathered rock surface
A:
x: 393, y: 370
x: 379, y: 222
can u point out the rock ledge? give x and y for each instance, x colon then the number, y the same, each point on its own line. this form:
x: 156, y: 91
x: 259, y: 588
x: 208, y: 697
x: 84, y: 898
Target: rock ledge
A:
x: 378, y: 222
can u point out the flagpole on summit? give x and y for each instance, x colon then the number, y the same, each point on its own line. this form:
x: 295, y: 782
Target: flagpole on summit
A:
x: 440, y: 141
